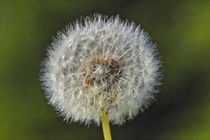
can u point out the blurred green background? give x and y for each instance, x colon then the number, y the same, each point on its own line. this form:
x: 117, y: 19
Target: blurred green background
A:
x: 181, y: 29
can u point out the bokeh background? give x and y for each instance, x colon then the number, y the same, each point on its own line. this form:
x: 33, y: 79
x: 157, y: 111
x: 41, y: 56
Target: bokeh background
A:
x: 181, y: 29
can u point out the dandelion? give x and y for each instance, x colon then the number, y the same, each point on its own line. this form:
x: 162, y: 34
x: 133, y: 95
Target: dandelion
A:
x: 101, y: 70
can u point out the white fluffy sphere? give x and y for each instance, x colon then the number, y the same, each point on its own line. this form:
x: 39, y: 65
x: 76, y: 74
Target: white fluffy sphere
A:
x: 101, y: 64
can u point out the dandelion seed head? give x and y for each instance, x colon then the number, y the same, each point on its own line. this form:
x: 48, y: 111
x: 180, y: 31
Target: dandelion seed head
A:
x: 101, y: 64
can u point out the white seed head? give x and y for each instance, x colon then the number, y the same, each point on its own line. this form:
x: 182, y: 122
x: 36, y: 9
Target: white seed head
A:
x: 101, y: 64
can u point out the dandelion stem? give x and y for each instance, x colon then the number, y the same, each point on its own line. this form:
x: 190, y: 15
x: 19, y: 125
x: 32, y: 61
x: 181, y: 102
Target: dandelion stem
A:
x: 105, y: 126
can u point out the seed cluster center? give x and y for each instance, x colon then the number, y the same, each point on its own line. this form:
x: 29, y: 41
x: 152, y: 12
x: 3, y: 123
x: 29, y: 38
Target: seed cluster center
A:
x: 101, y: 71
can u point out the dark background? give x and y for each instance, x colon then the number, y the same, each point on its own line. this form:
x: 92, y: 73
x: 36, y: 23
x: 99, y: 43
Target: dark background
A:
x: 181, y: 29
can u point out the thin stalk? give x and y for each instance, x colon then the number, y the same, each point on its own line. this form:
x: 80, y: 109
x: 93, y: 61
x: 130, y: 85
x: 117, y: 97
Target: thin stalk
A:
x: 105, y: 126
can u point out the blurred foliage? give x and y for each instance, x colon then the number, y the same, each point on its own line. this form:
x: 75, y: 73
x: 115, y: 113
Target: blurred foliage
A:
x: 181, y: 29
